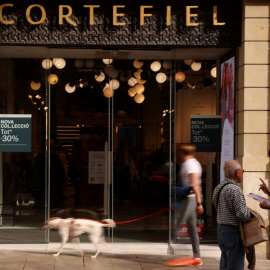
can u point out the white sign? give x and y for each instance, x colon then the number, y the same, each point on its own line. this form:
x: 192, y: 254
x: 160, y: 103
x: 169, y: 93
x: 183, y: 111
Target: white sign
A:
x: 96, y: 167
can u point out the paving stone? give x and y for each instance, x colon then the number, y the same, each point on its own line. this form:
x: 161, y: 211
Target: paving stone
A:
x: 37, y: 261
x: 69, y: 262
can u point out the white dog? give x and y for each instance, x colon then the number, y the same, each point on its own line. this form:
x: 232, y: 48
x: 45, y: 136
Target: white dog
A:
x: 73, y: 228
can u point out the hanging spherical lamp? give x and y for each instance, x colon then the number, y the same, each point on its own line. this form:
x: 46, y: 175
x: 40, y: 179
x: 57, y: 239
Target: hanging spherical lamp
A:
x: 35, y: 85
x: 137, y: 74
x: 138, y: 88
x: 196, y: 66
x: 167, y: 64
x: 54, y: 59
x: 47, y: 63
x: 70, y: 89
x: 60, y: 63
x: 141, y: 81
x: 113, y: 73
x: 188, y: 62
x: 131, y: 92
x: 180, y: 76
x: 132, y: 81
x: 137, y: 64
x: 161, y: 77
x: 100, y: 77
x: 139, y: 98
x: 155, y: 66
x: 114, y: 84
x: 214, y: 72
x: 107, y: 61
x: 206, y: 82
x: 52, y: 79
x: 89, y: 63
x: 79, y: 63
x: 108, y: 69
x: 108, y: 92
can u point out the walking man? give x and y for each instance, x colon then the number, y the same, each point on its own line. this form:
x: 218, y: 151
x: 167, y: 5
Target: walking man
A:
x: 230, y: 204
x: 190, y: 206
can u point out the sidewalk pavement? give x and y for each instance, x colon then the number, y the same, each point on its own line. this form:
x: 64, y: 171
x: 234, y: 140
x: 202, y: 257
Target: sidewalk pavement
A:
x: 113, y: 256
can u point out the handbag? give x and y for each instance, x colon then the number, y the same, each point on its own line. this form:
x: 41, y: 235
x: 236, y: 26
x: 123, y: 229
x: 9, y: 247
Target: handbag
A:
x: 182, y: 192
x: 254, y: 232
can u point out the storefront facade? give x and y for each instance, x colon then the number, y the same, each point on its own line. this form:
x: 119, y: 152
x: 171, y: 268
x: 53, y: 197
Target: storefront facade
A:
x: 125, y: 91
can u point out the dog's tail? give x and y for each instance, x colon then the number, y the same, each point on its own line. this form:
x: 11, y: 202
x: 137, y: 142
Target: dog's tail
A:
x: 108, y: 223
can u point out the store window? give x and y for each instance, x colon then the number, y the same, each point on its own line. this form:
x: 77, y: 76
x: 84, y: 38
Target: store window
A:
x: 24, y: 131
x: 103, y: 127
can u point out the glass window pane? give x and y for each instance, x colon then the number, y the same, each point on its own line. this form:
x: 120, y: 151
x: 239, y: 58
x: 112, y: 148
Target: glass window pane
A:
x: 23, y: 104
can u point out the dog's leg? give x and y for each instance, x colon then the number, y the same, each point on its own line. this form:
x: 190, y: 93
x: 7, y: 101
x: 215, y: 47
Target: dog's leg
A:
x: 77, y: 241
x: 98, y: 250
x: 64, y: 240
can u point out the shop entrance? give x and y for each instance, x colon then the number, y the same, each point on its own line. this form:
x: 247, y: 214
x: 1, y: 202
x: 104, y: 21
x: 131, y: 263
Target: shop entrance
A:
x: 104, y: 124
x: 121, y: 115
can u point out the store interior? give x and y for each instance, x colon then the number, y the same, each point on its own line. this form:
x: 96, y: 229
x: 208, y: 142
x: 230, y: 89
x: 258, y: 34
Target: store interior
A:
x: 109, y: 120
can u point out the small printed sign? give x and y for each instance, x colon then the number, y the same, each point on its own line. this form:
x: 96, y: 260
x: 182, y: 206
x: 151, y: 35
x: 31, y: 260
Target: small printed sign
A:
x: 183, y: 233
x: 15, y: 132
x: 206, y: 132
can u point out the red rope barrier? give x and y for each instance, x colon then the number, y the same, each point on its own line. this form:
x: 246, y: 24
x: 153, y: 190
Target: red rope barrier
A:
x: 129, y: 221
x: 151, y: 215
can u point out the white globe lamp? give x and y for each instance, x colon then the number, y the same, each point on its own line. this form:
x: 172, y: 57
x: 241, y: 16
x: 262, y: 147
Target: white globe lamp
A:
x: 107, y: 61
x: 47, y: 63
x: 196, y: 66
x: 161, y: 77
x: 70, y: 89
x: 60, y: 63
x: 100, y: 77
x: 214, y: 72
x: 114, y: 84
x: 139, y: 98
x: 155, y: 66
x: 132, y: 81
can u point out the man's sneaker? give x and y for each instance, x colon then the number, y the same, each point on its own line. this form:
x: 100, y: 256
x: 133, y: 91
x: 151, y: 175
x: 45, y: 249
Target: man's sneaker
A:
x: 184, y: 261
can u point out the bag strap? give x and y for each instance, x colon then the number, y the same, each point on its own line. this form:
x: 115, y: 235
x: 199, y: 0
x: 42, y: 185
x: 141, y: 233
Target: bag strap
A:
x: 220, y: 191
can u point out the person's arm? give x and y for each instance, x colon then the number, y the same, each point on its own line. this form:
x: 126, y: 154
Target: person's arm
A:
x: 264, y: 188
x: 197, y: 191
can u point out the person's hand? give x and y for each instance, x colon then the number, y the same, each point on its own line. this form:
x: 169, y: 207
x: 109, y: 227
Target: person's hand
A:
x: 264, y: 205
x: 263, y: 187
x: 199, y: 210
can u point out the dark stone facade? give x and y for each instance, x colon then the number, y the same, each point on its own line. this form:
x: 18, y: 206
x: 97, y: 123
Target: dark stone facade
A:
x: 154, y: 33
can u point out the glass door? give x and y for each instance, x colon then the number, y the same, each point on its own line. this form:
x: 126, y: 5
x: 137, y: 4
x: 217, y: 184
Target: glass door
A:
x: 143, y: 113
x: 112, y: 121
